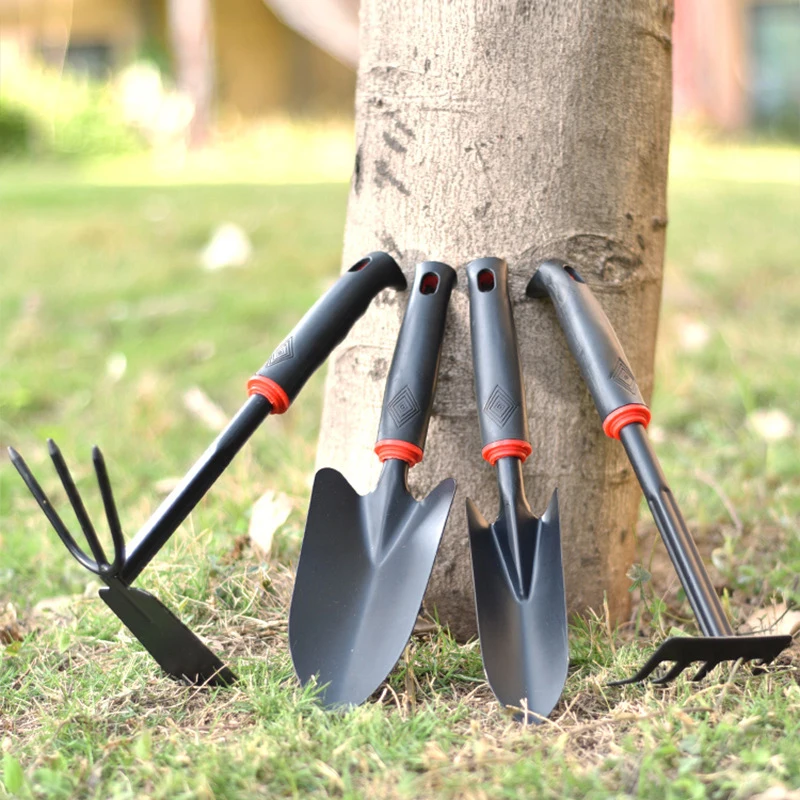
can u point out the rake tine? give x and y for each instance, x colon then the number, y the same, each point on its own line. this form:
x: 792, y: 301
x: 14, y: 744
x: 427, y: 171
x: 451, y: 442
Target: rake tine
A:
x: 704, y: 670
x: 111, y: 510
x: 672, y: 673
x: 646, y: 670
x: 77, y: 505
x: 47, y: 508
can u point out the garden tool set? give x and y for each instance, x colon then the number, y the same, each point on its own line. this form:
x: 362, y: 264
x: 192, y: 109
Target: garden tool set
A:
x: 366, y: 560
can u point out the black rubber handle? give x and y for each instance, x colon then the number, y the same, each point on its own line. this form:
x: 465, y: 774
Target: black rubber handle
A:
x: 498, y: 375
x: 589, y: 335
x: 408, y: 398
x: 328, y: 321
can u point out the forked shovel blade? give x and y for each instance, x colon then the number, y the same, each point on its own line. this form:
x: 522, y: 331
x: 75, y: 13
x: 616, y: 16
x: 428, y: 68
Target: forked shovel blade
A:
x: 362, y: 574
x: 176, y: 649
x: 516, y: 561
x: 523, y: 628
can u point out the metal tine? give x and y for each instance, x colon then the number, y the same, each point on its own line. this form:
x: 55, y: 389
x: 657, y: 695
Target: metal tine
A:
x: 704, y: 670
x: 77, y: 505
x: 672, y: 673
x: 645, y: 671
x: 111, y: 510
x: 47, y: 508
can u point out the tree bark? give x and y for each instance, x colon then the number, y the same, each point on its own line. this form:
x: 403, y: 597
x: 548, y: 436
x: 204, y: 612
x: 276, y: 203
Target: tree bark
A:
x: 523, y: 130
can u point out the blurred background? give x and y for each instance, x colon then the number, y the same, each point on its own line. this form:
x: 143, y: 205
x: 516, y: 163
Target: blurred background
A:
x: 105, y: 77
x: 173, y: 189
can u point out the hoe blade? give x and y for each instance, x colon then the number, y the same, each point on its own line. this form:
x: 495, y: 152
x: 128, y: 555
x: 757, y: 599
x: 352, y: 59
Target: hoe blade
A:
x: 177, y: 650
x: 522, y: 623
x: 362, y: 575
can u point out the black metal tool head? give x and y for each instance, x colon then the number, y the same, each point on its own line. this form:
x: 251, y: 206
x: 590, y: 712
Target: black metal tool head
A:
x: 516, y: 561
x: 363, y: 570
x: 521, y: 608
x: 366, y: 561
x: 710, y: 651
x: 176, y: 649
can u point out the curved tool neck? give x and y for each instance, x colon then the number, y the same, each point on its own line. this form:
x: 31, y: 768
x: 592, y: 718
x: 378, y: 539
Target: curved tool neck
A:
x: 394, y: 473
x: 511, y: 486
x: 514, y: 509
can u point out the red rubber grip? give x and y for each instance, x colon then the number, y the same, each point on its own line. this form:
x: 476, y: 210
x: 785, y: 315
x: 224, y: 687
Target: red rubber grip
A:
x: 397, y: 448
x: 625, y: 415
x: 507, y: 448
x: 278, y: 399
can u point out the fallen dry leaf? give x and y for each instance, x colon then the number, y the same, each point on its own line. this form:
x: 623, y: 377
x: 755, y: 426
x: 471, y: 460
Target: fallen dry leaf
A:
x: 166, y: 485
x: 10, y: 629
x: 778, y: 793
x: 201, y: 406
x: 116, y: 366
x: 229, y: 246
x: 693, y: 335
x: 270, y: 511
x: 772, y: 424
x: 776, y: 619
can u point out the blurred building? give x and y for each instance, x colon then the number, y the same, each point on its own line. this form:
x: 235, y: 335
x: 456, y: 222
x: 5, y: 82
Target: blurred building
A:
x: 736, y: 63
x: 260, y: 66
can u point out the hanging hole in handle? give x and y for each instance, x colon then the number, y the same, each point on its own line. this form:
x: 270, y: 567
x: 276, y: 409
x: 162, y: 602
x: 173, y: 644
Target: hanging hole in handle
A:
x: 429, y: 283
x: 573, y: 273
x: 485, y: 280
x: 359, y: 265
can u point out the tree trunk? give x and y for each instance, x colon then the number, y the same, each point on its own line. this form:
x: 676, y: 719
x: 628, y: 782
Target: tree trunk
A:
x: 523, y: 130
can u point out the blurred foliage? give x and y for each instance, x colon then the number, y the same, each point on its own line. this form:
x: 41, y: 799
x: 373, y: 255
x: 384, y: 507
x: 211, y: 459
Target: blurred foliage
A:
x: 17, y: 130
x: 49, y: 113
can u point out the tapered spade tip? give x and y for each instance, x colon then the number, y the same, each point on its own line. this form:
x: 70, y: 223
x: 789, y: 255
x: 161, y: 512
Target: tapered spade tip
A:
x: 475, y: 519
x: 14, y: 455
x: 521, y: 608
x: 53, y: 448
x: 551, y: 516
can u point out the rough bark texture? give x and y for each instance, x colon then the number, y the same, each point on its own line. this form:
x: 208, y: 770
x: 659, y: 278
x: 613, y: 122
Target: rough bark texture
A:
x: 523, y: 130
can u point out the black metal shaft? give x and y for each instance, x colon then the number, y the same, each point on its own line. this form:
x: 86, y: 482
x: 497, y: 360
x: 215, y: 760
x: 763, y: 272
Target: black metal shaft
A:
x: 201, y: 477
x: 672, y: 527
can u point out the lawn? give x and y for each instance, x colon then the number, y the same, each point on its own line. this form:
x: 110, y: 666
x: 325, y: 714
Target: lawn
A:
x: 107, y: 320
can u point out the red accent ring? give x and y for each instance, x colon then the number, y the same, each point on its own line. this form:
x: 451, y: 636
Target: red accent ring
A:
x: 506, y: 448
x: 397, y: 448
x: 278, y: 399
x: 625, y: 415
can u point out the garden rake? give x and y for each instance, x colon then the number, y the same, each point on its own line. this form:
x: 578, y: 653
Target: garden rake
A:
x: 177, y: 650
x: 625, y: 416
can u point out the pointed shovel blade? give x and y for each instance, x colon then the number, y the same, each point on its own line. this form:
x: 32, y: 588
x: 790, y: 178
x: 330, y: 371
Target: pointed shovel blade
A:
x: 522, y: 628
x: 176, y: 649
x: 362, y: 574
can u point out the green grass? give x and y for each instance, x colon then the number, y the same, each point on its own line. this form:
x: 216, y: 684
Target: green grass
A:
x: 95, y: 268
